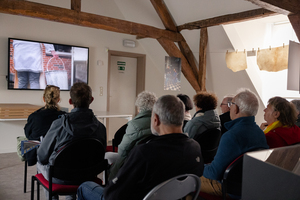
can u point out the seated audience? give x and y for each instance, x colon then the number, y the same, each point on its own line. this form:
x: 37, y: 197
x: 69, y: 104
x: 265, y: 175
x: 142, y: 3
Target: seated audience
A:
x: 243, y: 135
x: 169, y: 154
x: 188, y: 105
x: 39, y: 122
x: 79, y: 123
x: 297, y: 104
x: 280, y: 129
x: 205, y: 117
x: 138, y: 129
x: 225, y: 116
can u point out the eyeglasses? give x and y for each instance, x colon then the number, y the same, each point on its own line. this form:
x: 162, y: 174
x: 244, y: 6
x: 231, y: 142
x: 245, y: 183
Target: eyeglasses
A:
x: 230, y: 104
x: 223, y: 104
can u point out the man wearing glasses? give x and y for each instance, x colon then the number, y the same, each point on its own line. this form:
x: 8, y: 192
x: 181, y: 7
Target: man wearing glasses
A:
x: 243, y: 135
x: 225, y: 116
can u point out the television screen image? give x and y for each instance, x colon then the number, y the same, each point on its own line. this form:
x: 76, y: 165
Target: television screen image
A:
x: 33, y: 65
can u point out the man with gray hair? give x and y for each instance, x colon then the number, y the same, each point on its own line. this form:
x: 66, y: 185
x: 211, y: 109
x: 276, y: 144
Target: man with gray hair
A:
x: 225, y: 116
x: 243, y: 135
x: 167, y: 155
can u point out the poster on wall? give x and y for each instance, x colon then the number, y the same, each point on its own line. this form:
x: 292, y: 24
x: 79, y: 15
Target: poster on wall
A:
x: 293, y: 66
x: 172, y: 73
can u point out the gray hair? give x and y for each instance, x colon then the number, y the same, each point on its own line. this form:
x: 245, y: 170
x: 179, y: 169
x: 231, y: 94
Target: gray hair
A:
x: 247, y: 102
x: 170, y: 110
x: 229, y: 97
x: 296, y: 103
x: 145, y: 101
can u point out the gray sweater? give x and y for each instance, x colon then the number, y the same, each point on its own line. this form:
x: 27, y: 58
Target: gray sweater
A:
x: 202, y: 122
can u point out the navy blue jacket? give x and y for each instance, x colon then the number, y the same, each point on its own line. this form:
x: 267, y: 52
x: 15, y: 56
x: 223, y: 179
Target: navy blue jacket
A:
x: 243, y: 135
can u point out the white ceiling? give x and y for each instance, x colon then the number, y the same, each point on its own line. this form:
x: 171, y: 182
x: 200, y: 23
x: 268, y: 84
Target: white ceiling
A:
x: 183, y: 11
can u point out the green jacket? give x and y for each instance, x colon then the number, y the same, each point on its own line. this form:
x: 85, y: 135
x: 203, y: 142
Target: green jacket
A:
x: 138, y: 129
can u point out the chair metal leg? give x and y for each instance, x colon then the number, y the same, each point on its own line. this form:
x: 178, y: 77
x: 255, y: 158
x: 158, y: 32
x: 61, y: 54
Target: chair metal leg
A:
x: 25, y: 176
x: 38, y: 190
x: 32, y: 187
x: 224, y: 190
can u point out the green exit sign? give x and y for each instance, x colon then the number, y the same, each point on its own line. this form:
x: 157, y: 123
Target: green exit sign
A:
x: 121, y: 65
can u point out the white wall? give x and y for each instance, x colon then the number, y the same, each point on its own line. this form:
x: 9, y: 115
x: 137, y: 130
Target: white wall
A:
x: 96, y: 40
x: 220, y: 80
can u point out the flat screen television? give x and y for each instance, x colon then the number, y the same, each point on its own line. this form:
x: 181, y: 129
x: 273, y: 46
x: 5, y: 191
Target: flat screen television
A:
x: 33, y: 65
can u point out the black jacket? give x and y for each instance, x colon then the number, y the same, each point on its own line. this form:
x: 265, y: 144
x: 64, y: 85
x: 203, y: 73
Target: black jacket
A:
x: 151, y: 163
x: 39, y: 122
x: 225, y: 117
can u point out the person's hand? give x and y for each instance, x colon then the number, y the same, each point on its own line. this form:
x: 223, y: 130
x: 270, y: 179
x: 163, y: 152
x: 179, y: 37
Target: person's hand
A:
x: 54, y: 54
x: 263, y: 126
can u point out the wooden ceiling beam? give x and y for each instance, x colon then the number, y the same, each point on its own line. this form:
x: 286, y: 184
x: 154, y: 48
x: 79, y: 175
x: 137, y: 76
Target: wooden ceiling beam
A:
x: 52, y: 13
x: 170, y: 24
x: 295, y: 21
x: 202, y: 58
x: 173, y: 51
x: 188, y: 54
x: 284, y: 7
x: 164, y: 14
x: 76, y: 5
x: 227, y: 19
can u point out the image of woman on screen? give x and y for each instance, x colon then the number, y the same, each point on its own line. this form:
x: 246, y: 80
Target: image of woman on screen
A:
x: 39, y: 122
x: 28, y: 62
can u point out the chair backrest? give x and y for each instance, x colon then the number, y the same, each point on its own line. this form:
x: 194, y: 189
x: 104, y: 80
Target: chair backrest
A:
x: 118, y: 136
x: 176, y: 188
x: 209, y: 143
x: 79, y: 160
x: 233, y: 176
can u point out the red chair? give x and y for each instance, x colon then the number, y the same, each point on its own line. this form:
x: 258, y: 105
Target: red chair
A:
x: 78, y: 161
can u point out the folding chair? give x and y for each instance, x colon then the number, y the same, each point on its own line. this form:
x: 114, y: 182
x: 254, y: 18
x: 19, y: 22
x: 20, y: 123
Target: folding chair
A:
x: 176, y: 188
x: 78, y: 161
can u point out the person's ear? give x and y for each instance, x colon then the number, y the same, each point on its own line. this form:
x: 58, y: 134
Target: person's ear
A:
x: 156, y: 120
x: 70, y: 101
x: 276, y: 114
x: 237, y: 109
x: 92, y: 99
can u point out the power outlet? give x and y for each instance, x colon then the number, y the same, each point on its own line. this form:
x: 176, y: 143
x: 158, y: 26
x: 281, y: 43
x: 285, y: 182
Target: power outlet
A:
x: 101, y: 91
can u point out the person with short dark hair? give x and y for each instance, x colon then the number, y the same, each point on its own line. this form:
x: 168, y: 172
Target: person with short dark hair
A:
x: 188, y: 105
x: 205, y: 117
x: 280, y: 128
x: 169, y: 154
x: 80, y: 123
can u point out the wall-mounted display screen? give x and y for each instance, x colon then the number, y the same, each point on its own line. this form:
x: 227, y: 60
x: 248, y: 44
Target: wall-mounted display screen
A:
x: 33, y: 65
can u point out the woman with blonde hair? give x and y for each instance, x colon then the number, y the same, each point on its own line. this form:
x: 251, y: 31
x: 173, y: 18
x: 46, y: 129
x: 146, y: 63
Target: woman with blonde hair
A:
x: 40, y: 121
x: 280, y: 129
